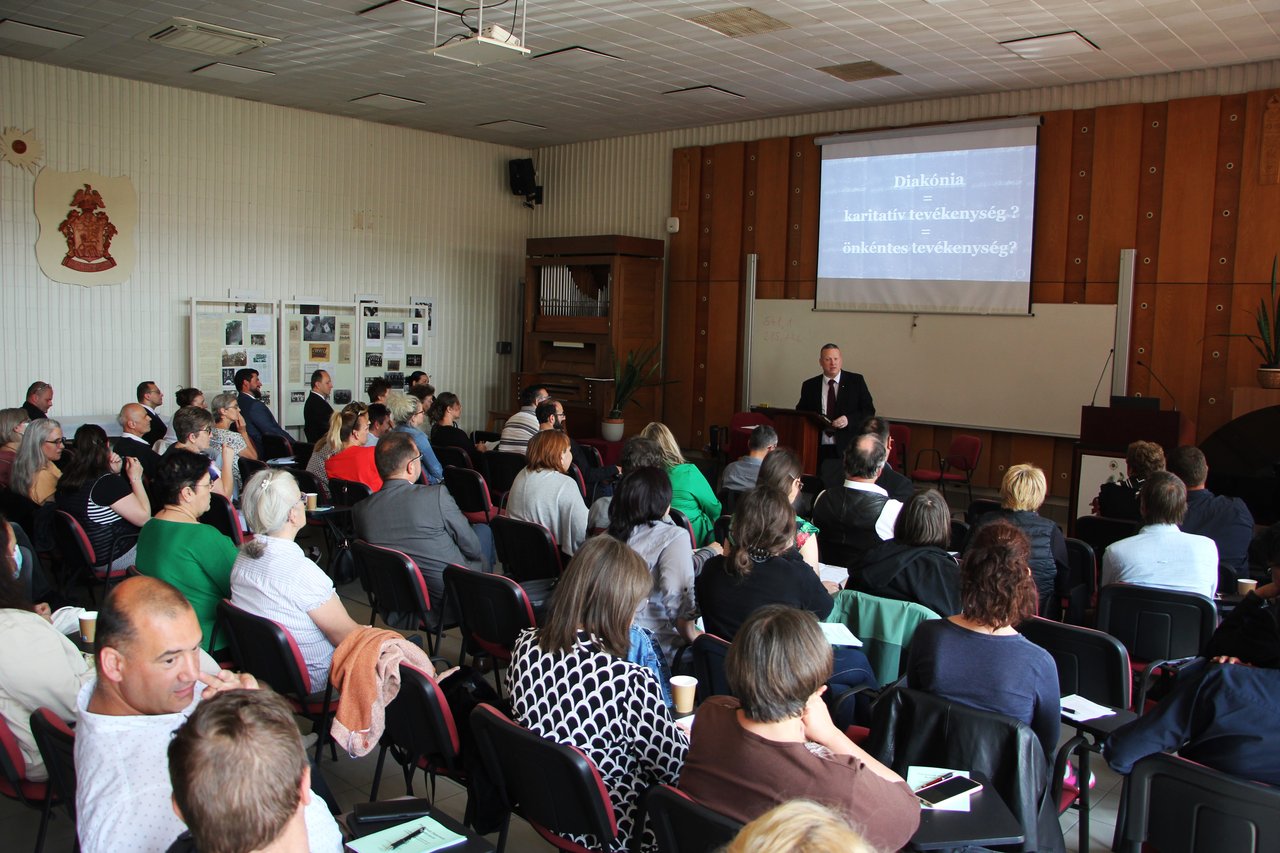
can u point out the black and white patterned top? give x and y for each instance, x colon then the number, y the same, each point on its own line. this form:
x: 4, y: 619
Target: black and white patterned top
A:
x: 610, y: 709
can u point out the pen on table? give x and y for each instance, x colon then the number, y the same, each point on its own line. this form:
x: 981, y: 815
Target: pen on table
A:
x: 406, y: 839
x: 944, y: 777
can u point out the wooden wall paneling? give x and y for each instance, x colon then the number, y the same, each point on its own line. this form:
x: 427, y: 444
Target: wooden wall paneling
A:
x: 686, y: 195
x: 1113, y: 201
x: 769, y: 193
x: 724, y: 231
x: 1258, y: 231
x: 1188, y: 190
x: 998, y: 454
x: 922, y: 438
x: 1060, y: 476
x: 1081, y: 189
x: 805, y: 177
x: 1034, y: 450
x: 680, y: 362
x: 1053, y: 197
x: 722, y: 389
x: 983, y: 476
x: 1214, y: 400
x: 1150, y: 214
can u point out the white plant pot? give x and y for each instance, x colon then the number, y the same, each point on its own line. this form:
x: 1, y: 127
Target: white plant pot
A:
x: 611, y: 430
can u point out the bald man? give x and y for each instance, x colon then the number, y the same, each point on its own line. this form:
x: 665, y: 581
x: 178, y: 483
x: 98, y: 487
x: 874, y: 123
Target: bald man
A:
x: 135, y: 422
x: 149, y: 681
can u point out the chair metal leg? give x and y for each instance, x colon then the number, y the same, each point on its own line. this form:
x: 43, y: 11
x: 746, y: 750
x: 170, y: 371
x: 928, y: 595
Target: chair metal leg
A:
x: 377, y: 773
x: 45, y: 813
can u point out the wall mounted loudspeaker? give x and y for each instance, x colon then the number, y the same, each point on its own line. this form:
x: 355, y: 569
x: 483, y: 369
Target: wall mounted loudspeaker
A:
x: 524, y: 181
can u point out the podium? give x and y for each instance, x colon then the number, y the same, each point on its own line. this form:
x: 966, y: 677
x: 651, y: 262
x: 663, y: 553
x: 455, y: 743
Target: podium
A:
x: 800, y: 431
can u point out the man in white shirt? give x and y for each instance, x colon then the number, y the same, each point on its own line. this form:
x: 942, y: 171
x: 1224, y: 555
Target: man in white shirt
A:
x: 854, y: 519
x: 1160, y: 555
x: 523, y: 425
x: 148, y: 683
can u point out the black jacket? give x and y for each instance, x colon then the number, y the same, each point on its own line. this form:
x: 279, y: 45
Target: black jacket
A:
x: 926, y: 574
x: 315, y: 417
x: 853, y: 400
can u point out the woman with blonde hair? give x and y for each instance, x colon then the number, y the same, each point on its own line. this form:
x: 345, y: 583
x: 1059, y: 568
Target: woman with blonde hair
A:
x: 570, y: 681
x: 408, y: 414
x: 13, y: 423
x: 355, y: 461
x: 542, y: 492
x: 1022, y: 493
x: 799, y: 826
x: 691, y: 494
x: 330, y: 444
x: 35, y: 476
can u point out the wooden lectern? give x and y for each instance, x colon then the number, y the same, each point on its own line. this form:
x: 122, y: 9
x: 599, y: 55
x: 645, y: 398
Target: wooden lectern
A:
x: 800, y: 431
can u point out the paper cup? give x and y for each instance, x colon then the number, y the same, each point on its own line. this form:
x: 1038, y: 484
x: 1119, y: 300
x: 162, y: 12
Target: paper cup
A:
x: 683, y: 688
x: 89, y: 625
x: 1244, y: 586
x: 311, y: 501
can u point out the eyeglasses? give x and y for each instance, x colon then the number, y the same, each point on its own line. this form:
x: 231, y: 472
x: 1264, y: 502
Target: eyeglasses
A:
x: 58, y: 441
x: 208, y: 430
x: 208, y: 485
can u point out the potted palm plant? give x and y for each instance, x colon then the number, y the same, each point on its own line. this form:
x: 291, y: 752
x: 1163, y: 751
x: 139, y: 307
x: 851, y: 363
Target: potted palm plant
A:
x: 629, y: 376
x: 1267, y: 340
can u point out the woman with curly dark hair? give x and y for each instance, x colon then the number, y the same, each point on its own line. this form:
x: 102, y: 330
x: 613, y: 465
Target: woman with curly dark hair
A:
x: 976, y: 658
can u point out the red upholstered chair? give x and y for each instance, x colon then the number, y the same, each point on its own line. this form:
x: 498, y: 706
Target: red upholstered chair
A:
x: 956, y: 467
x: 449, y: 454
x: 681, y: 520
x: 554, y: 787
x: 740, y: 435
x: 396, y: 585
x: 268, y: 652
x: 471, y: 493
x: 14, y: 783
x: 492, y: 610
x: 503, y: 468
x: 79, y: 558
x: 57, y: 743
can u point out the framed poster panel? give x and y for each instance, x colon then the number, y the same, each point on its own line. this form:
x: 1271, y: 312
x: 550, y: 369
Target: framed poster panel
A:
x: 228, y: 335
x: 317, y: 336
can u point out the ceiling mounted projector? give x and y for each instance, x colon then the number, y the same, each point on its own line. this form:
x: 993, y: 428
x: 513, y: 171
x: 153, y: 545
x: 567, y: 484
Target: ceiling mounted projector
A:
x: 482, y: 45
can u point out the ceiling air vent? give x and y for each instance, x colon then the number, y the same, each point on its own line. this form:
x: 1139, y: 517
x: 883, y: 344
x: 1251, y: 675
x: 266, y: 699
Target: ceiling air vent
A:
x: 185, y: 34
x: 853, y: 72
x: 740, y: 22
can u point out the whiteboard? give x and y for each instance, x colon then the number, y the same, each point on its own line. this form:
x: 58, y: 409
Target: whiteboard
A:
x: 1014, y: 374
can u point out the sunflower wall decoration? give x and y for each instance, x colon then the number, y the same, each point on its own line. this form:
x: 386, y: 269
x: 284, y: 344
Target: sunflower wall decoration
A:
x: 21, y: 149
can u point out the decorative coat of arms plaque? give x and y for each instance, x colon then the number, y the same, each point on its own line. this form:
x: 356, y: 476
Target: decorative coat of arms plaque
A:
x: 88, y: 227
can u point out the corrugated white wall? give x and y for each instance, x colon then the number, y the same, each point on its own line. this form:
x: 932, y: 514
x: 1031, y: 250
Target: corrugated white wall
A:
x: 246, y: 196
x: 623, y: 186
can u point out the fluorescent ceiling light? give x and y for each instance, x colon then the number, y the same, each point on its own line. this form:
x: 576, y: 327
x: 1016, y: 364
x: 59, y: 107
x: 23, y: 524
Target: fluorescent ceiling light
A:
x: 483, y: 49
x: 31, y: 34
x: 408, y: 13
x: 387, y: 102
x: 1070, y: 43
x: 705, y: 95
x: 232, y: 73
x: 510, y: 125
x: 576, y: 59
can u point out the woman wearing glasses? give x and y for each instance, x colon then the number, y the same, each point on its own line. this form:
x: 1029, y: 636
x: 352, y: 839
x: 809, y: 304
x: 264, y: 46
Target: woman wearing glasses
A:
x: 35, y: 476
x: 175, y: 547
x: 13, y: 423
x: 194, y: 428
x: 229, y: 430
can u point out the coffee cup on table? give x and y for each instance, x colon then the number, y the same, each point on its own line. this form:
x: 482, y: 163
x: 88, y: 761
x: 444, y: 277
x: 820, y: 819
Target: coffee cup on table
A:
x: 683, y: 689
x: 311, y: 501
x: 1244, y: 586
x: 89, y: 625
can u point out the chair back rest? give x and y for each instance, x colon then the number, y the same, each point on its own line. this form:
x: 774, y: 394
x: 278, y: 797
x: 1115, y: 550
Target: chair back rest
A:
x: 682, y: 825
x: 682, y: 520
x: 978, y: 508
x: 470, y: 493
x: 72, y: 542
x: 528, y: 550
x: 575, y: 473
x: 900, y: 435
x: 1177, y: 805
x: 964, y: 452
x: 265, y: 650
x: 418, y: 721
x: 249, y: 467
x: 1090, y: 663
x: 57, y: 744
x: 739, y: 437
x: 913, y: 727
x: 1156, y: 624
x: 394, y: 580
x: 1099, y: 531
x: 449, y: 454
x: 959, y: 536
x: 12, y: 764
x: 302, y: 451
x: 503, y: 468
x: 492, y: 609
x: 553, y: 786
x: 347, y: 492
x: 1082, y: 580
x: 729, y: 500
x: 307, y: 483
x: 223, y: 517
x: 884, y: 625
x: 276, y: 447
x: 709, y: 653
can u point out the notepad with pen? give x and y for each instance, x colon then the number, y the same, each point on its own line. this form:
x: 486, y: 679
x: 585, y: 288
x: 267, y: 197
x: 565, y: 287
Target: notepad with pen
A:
x: 421, y: 835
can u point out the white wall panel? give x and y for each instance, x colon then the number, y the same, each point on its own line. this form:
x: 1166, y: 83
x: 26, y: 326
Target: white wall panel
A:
x: 247, y: 196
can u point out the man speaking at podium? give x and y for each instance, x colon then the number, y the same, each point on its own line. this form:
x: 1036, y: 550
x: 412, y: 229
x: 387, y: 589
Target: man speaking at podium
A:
x: 841, y: 397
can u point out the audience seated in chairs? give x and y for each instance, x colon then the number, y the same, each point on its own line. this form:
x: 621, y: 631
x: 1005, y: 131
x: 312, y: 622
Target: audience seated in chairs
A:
x: 242, y: 741
x: 569, y: 681
x: 781, y: 471
x: 39, y: 667
x: 380, y: 423
x: 799, y: 826
x: 750, y: 753
x: 194, y: 430
x: 445, y: 432
x: 423, y: 522
x: 740, y: 475
x: 176, y: 548
x: 13, y: 423
x: 690, y: 491
x: 976, y: 657
x: 544, y: 494
x: 273, y: 578
x: 35, y: 472
x: 637, y: 452
x: 408, y: 412
x: 105, y: 494
x: 856, y: 517
x: 134, y: 422
x: 638, y: 517
x: 228, y: 432
x: 330, y: 444
x: 522, y: 426
x: 1225, y: 520
x: 1022, y: 493
x: 915, y: 564
x: 898, y: 486
x: 149, y: 681
x: 1120, y: 499
x: 354, y: 461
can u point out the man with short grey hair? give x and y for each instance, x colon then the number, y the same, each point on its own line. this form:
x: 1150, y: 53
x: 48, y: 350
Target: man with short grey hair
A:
x: 39, y: 400
x: 855, y: 518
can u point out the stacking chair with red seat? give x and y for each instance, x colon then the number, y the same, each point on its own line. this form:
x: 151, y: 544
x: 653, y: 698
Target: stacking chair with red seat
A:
x: 900, y: 435
x: 276, y: 447
x: 554, y: 787
x: 471, y: 493
x: 397, y: 591
x: 15, y: 785
x: 709, y: 653
x: 958, y: 466
x: 503, y: 468
x: 529, y: 556
x: 740, y: 432
x: 682, y: 825
x: 681, y: 520
x: 449, y: 454
x: 268, y: 652
x: 492, y: 610
x: 223, y: 516
x: 57, y: 744
x: 81, y: 561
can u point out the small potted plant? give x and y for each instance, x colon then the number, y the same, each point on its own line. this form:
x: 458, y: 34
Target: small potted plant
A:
x: 1267, y: 340
x: 629, y: 376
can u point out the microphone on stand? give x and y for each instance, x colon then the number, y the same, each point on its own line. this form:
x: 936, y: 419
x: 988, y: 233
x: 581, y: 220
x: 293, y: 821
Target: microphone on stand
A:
x: 1159, y: 382
x: 1110, y: 354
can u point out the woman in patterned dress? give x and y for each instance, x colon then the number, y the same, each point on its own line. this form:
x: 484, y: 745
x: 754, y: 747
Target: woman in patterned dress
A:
x: 570, y: 681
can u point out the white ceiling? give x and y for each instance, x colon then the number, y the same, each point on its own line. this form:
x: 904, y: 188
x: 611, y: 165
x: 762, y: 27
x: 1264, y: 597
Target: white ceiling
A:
x: 329, y: 55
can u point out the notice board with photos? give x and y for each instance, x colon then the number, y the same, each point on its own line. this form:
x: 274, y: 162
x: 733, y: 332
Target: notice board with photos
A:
x: 317, y: 336
x: 228, y: 335
x: 393, y: 341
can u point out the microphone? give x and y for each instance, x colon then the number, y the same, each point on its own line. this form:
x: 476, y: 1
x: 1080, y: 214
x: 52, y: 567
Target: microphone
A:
x: 1172, y: 398
x: 1101, y: 374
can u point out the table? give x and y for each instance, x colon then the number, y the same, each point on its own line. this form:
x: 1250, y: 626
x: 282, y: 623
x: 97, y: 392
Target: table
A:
x: 80, y: 643
x: 474, y: 843
x: 987, y: 823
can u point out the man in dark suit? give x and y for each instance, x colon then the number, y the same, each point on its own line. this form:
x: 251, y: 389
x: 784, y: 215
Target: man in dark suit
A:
x: 39, y: 401
x: 150, y: 397
x: 317, y: 411
x: 842, y: 397
x: 1225, y: 520
x: 135, y: 422
x: 257, y: 417
x: 899, y: 487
